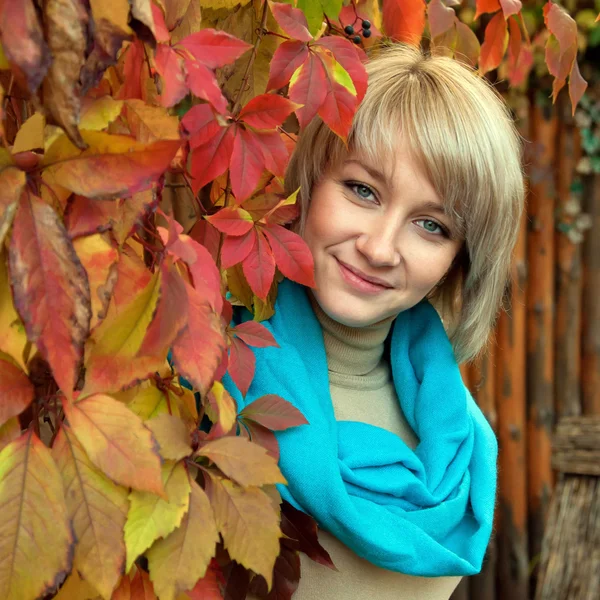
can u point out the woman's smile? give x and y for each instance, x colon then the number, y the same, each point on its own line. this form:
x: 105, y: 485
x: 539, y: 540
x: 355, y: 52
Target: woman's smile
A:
x: 361, y: 282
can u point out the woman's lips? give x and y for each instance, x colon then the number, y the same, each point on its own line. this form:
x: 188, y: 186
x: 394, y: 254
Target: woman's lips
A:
x: 360, y: 283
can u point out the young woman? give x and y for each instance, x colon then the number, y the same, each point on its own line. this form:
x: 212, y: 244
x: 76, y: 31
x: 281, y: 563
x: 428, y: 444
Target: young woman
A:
x: 421, y: 209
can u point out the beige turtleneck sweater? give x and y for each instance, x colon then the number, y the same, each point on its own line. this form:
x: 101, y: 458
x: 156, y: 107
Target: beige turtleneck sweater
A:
x: 362, y: 389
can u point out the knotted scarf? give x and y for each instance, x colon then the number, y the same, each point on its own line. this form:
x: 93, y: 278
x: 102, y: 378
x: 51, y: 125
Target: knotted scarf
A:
x: 426, y: 511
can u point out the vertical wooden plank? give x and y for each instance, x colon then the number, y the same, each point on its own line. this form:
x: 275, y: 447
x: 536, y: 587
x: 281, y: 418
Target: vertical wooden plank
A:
x: 591, y: 301
x: 567, y: 359
x: 540, y: 321
x: 513, y: 555
x: 482, y: 374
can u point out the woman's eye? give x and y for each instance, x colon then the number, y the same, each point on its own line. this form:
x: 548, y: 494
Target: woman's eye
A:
x: 431, y: 226
x: 364, y: 192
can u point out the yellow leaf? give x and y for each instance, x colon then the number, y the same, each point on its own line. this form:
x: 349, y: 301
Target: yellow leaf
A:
x: 150, y: 123
x: 31, y: 134
x: 240, y: 459
x: 4, y: 64
x: 117, y: 442
x: 248, y: 522
x: 150, y: 402
x: 75, y: 588
x: 151, y: 517
x: 122, y: 333
x: 99, y: 259
x: 217, y: 4
x: 221, y: 407
x: 35, y: 524
x: 13, y: 339
x: 179, y: 560
x: 114, y: 11
x: 9, y: 431
x: 172, y: 436
x: 100, y: 113
x: 97, y: 508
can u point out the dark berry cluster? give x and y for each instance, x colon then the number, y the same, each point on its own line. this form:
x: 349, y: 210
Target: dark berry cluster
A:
x: 354, y: 35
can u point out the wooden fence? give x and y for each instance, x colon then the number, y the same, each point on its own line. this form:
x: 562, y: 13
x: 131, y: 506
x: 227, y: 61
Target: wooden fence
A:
x: 544, y: 362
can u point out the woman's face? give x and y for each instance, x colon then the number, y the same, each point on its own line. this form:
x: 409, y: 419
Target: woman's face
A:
x: 379, y: 237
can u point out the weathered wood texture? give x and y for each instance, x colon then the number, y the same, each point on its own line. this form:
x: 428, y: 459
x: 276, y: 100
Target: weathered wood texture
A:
x: 540, y: 320
x: 570, y: 563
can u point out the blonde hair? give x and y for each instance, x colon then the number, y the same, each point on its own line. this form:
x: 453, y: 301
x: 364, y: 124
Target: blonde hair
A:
x: 461, y: 132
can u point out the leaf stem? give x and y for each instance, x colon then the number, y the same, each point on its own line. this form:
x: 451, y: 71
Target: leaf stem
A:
x: 263, y: 22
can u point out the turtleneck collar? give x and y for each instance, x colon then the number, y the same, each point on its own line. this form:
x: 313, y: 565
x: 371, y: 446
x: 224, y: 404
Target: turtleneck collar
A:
x: 356, y: 351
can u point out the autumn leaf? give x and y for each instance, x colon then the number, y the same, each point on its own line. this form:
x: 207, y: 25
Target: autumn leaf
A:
x: 16, y: 391
x: 255, y: 334
x: 441, y: 17
x: 291, y: 20
x: 286, y: 577
x: 177, y: 561
x: 236, y: 248
x: 243, y: 461
x: 209, y: 587
x: 232, y: 220
x: 307, y: 89
x: 32, y: 515
x: 50, y: 287
x: 23, y: 41
x: 248, y: 522
x: 259, y: 267
x: 149, y: 401
x: 221, y: 407
x: 12, y: 182
x: 169, y: 65
x: 404, y: 20
x: 486, y: 6
x: 97, y: 508
x: 9, y: 432
x: 151, y: 517
x: 260, y: 435
x: 292, y: 255
x: 494, y: 43
x: 13, y: 340
x: 66, y: 32
x: 273, y: 412
x: 117, y: 442
x: 241, y: 365
x: 135, y: 585
x: 287, y: 58
x: 133, y: 166
x: 172, y: 436
x: 267, y: 111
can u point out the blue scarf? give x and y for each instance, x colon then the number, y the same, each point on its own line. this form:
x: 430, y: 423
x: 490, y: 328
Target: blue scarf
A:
x: 426, y: 511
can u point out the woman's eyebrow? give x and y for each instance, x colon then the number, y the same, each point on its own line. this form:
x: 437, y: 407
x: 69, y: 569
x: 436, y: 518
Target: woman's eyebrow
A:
x: 372, y: 171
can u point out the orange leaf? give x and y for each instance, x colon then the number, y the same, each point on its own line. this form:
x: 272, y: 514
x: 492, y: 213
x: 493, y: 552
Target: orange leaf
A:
x: 12, y: 181
x: 255, y: 334
x: 117, y: 442
x: 135, y: 585
x: 51, y: 290
x: 133, y: 166
x: 35, y: 524
x: 16, y: 391
x: 485, y: 6
x: 494, y: 43
x: 404, y: 20
x: 267, y: 111
x: 232, y: 220
x: 273, y: 412
x: 97, y: 508
x: 172, y: 436
x: 247, y: 463
x: 198, y: 350
x: 577, y: 86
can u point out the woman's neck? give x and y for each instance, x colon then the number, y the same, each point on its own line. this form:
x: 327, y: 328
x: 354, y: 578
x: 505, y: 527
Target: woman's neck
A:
x: 352, y: 350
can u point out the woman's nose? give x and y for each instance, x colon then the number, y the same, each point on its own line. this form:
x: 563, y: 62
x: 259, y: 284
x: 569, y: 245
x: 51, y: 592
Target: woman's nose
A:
x: 380, y: 244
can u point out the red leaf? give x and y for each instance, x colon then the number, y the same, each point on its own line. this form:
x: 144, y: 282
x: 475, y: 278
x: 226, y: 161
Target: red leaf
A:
x: 287, y: 58
x: 242, y: 363
x: 214, y: 48
x: 302, y: 529
x: 309, y: 89
x: 259, y: 267
x: 441, y: 17
x: 160, y: 27
x: 170, y: 67
x: 16, y: 391
x: 273, y: 412
x: 85, y: 216
x: 212, y: 158
x: 351, y: 57
x: 236, y: 249
x: 208, y: 588
x: 267, y: 111
x: 494, y: 43
x: 286, y: 577
x: 486, y: 6
x: 292, y: 255
x: 247, y: 164
x: 577, y: 86
x: 338, y: 107
x: 262, y: 436
x: 206, y: 235
x: 514, y: 46
x: 203, y: 83
x: 50, y: 288
x: 132, y: 72
x: 198, y: 350
x: 274, y: 151
x: 200, y: 124
x: 291, y: 20
x: 510, y: 7
x: 404, y: 20
x: 232, y: 220
x: 255, y: 334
